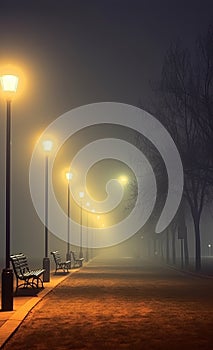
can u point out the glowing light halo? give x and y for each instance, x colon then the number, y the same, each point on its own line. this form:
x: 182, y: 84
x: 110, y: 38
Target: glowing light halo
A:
x: 122, y: 151
x: 147, y: 188
x: 109, y: 113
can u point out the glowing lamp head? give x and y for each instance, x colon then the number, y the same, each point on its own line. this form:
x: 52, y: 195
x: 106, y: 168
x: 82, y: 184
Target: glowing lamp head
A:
x: 123, y: 180
x: 47, y: 145
x: 9, y: 83
x: 81, y: 195
x: 69, y: 176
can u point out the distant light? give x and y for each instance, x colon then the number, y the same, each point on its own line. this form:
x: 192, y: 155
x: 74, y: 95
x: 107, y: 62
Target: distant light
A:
x: 98, y: 217
x: 87, y: 204
x: 123, y: 179
x: 209, y: 245
x: 69, y: 176
x: 9, y: 83
x: 81, y: 194
x: 47, y: 145
x: 93, y: 210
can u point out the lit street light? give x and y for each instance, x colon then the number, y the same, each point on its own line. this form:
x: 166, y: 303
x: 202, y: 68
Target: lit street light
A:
x: 9, y: 85
x: 123, y: 179
x: 81, y: 195
x: 69, y: 178
x: 209, y: 246
x: 47, y: 147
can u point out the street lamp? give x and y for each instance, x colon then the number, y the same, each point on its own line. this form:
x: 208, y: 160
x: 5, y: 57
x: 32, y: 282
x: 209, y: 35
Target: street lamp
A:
x: 69, y: 178
x: 87, y: 254
x: 92, y: 238
x: 123, y: 179
x: 9, y: 85
x: 47, y: 147
x: 81, y: 195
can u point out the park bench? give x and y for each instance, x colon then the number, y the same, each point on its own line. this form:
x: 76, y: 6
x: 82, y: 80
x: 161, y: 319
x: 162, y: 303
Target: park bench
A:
x: 29, y: 278
x: 77, y: 262
x: 59, y: 263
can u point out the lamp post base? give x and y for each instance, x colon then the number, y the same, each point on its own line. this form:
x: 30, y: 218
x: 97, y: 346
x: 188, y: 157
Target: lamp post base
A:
x: 81, y: 254
x: 68, y: 258
x: 46, y: 266
x: 7, y: 290
x: 87, y: 254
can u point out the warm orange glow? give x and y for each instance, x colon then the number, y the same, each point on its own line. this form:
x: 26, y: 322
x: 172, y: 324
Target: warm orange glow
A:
x: 9, y: 83
x: 9, y: 89
x: 61, y: 175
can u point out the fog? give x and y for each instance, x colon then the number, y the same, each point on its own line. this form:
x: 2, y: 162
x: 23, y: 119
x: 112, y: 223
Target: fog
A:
x: 71, y: 55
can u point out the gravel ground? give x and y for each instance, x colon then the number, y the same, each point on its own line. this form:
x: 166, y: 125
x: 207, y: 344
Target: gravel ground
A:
x: 121, y: 304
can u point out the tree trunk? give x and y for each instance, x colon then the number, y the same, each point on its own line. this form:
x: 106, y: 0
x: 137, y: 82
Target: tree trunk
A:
x: 197, y: 242
x: 173, y: 248
x: 167, y: 246
x: 186, y: 250
x: 154, y: 245
x: 161, y: 246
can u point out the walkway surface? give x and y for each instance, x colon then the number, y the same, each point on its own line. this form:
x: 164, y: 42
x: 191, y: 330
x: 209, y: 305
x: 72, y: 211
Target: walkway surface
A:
x: 10, y: 320
x: 119, y: 304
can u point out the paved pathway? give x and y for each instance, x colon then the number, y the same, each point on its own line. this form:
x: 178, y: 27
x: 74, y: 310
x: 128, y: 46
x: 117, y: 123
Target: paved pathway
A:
x: 121, y: 304
x: 10, y: 320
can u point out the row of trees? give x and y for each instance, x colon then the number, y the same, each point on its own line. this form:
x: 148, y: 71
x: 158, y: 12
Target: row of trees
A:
x: 184, y: 105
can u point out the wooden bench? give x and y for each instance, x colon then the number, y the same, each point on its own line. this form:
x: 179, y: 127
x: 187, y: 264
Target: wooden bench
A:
x: 29, y: 278
x: 77, y: 262
x: 59, y: 263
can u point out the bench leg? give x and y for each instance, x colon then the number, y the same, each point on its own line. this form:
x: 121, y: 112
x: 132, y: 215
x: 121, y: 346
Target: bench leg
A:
x: 37, y: 279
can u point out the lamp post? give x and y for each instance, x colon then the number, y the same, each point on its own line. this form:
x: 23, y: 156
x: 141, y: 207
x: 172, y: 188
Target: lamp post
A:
x: 69, y: 178
x: 9, y: 85
x: 47, y: 147
x: 87, y: 251
x: 92, y: 242
x: 81, y: 195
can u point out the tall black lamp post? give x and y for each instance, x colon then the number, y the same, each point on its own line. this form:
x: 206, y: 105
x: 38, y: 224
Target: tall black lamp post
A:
x: 9, y: 85
x: 69, y: 176
x: 81, y: 195
x: 87, y: 251
x: 47, y: 146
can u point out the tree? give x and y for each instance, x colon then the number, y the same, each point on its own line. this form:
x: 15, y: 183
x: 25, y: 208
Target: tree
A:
x: 185, y: 108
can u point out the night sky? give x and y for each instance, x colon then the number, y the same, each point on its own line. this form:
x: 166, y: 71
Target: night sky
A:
x: 74, y: 53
